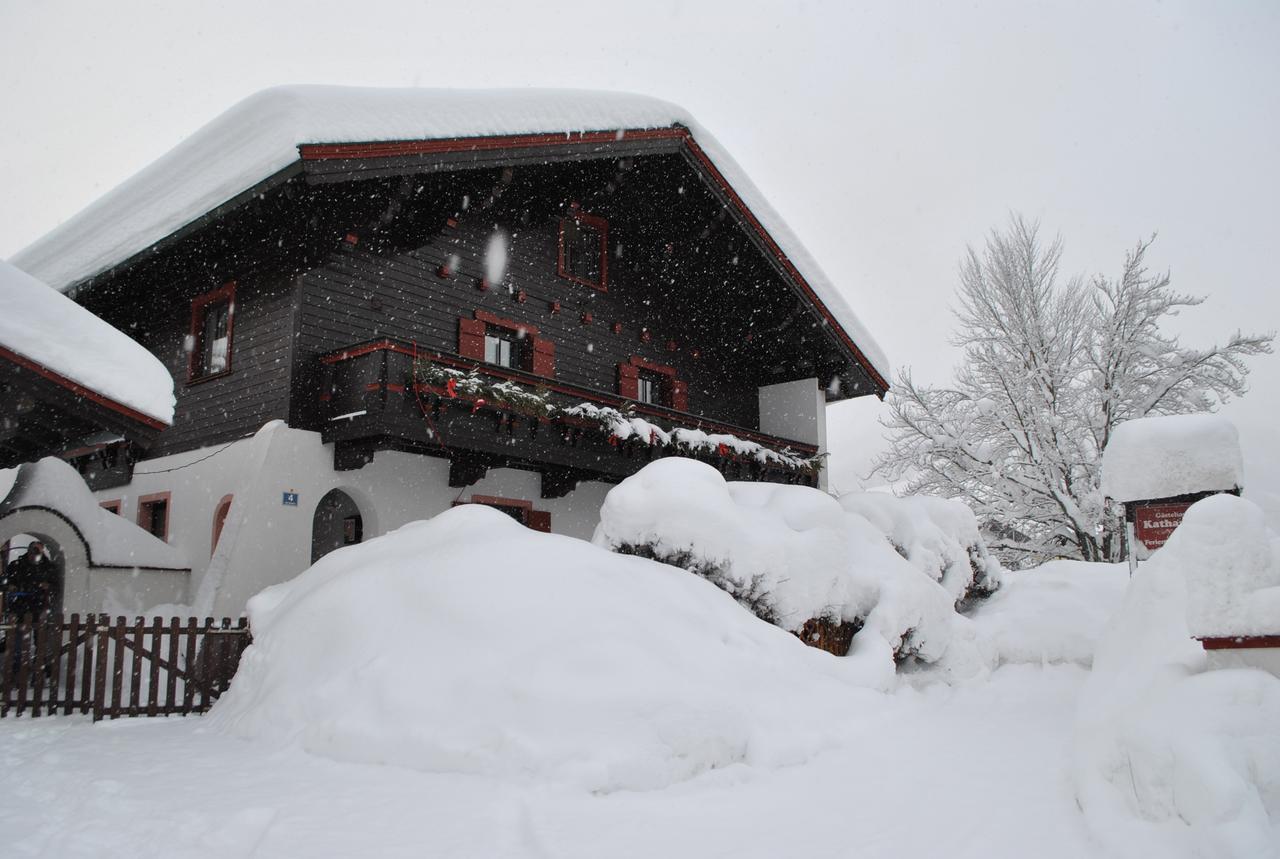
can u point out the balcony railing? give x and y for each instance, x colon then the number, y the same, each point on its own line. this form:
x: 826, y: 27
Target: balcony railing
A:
x: 386, y: 394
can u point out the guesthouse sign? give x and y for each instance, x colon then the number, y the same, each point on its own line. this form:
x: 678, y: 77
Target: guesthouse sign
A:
x: 1153, y: 523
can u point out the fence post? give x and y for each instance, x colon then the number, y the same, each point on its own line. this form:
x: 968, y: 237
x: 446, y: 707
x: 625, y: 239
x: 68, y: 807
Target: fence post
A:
x: 6, y: 670
x: 188, y: 681
x: 100, y: 669
x: 24, y: 661
x: 54, y: 633
x: 171, y: 679
x: 118, y: 636
x: 73, y: 650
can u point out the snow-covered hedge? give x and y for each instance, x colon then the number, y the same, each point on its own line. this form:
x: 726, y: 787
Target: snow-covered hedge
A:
x: 470, y: 644
x: 895, y: 568
x: 1163, y: 748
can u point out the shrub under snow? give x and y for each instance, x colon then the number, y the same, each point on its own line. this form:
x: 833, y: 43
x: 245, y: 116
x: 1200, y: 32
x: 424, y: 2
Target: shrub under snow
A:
x: 468, y: 643
x: 1165, y: 749
x: 894, y: 567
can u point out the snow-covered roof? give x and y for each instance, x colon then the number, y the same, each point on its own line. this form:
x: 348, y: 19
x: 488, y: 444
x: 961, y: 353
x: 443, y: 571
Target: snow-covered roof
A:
x: 44, y: 326
x: 113, y: 541
x: 1173, y: 455
x: 261, y: 134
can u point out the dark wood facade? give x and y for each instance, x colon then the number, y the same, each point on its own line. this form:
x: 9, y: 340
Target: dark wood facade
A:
x: 358, y: 244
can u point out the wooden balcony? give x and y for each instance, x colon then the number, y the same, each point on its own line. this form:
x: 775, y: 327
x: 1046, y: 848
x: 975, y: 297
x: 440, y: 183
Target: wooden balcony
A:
x: 388, y: 395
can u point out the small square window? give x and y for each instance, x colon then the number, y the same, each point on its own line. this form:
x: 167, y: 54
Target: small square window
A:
x: 650, y: 387
x: 503, y: 347
x: 153, y: 515
x: 584, y: 248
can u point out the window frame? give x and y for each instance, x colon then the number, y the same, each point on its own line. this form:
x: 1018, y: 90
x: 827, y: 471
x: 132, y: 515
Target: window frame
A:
x: 601, y: 225
x: 658, y: 384
x: 144, y: 505
x: 531, y: 518
x: 517, y: 346
x: 200, y: 306
x: 220, y: 512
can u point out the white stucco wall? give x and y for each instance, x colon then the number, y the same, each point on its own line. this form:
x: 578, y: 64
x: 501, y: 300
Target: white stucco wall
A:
x: 796, y: 410
x: 265, y: 542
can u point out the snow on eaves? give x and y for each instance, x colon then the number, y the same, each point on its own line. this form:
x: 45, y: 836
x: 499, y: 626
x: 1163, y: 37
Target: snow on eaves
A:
x: 1163, y: 457
x: 261, y: 134
x: 46, y: 327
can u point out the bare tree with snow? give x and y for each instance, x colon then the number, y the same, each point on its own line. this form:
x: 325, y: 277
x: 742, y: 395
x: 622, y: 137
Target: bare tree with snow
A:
x: 1051, y: 365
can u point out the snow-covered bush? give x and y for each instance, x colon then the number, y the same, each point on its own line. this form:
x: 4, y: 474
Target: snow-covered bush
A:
x: 893, y: 568
x: 1163, y: 748
x: 937, y: 536
x: 468, y: 643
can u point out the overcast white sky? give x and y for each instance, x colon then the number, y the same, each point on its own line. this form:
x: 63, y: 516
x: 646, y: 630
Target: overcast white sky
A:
x: 889, y: 135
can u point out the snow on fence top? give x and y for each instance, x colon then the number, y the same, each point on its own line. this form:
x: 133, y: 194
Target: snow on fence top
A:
x: 1175, y: 455
x: 261, y: 134
x: 46, y: 327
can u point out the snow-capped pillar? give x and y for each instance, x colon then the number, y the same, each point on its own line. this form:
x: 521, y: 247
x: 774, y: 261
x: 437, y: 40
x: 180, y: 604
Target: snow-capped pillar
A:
x: 797, y: 411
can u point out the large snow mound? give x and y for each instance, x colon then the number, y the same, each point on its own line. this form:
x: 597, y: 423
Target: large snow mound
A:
x: 468, y: 643
x: 1172, y: 455
x: 1231, y: 563
x: 793, y: 553
x: 1165, y: 750
x: 44, y: 326
x: 1051, y: 614
x: 112, y: 540
x: 261, y: 134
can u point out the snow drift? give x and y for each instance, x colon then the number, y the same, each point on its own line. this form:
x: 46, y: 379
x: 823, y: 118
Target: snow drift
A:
x: 1165, y: 750
x: 892, y: 567
x: 468, y: 643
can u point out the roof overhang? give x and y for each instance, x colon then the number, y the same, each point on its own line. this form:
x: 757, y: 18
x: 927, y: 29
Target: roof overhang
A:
x: 46, y: 413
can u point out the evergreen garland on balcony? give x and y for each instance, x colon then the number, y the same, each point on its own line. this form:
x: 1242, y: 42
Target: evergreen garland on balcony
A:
x: 623, y: 428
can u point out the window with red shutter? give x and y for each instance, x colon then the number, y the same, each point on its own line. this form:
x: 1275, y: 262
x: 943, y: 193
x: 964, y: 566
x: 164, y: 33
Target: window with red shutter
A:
x: 471, y: 339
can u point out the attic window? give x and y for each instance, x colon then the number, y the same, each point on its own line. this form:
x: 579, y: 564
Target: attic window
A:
x: 584, y: 250
x: 211, y: 323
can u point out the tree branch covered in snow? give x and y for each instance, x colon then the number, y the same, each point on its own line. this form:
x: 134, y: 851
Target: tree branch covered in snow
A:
x: 1050, y: 367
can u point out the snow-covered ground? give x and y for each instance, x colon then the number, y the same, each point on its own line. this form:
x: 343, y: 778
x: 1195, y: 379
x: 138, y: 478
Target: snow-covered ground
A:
x: 975, y: 771
x: 687, y: 727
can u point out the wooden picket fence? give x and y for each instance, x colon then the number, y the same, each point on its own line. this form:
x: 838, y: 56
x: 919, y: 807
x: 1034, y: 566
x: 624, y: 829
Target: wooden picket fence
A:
x: 90, y: 664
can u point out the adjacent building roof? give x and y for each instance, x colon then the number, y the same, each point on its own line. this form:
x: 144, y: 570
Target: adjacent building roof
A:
x: 1164, y: 457
x: 262, y: 135
x: 48, y: 334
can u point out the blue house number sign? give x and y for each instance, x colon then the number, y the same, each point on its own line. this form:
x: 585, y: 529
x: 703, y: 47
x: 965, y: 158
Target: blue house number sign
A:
x: 290, y: 499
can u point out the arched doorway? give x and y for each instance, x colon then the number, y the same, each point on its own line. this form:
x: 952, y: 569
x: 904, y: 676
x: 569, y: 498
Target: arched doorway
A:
x: 337, y: 523
x: 33, y: 575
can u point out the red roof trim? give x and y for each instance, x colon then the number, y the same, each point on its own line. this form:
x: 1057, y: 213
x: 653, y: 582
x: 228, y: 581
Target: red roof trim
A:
x: 393, y: 148
x: 1239, y: 642
x: 389, y: 149
x: 81, y: 391
x: 787, y: 265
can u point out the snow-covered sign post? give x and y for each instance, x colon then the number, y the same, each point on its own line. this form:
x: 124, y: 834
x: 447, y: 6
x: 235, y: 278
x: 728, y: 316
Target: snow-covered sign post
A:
x: 1158, y: 467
